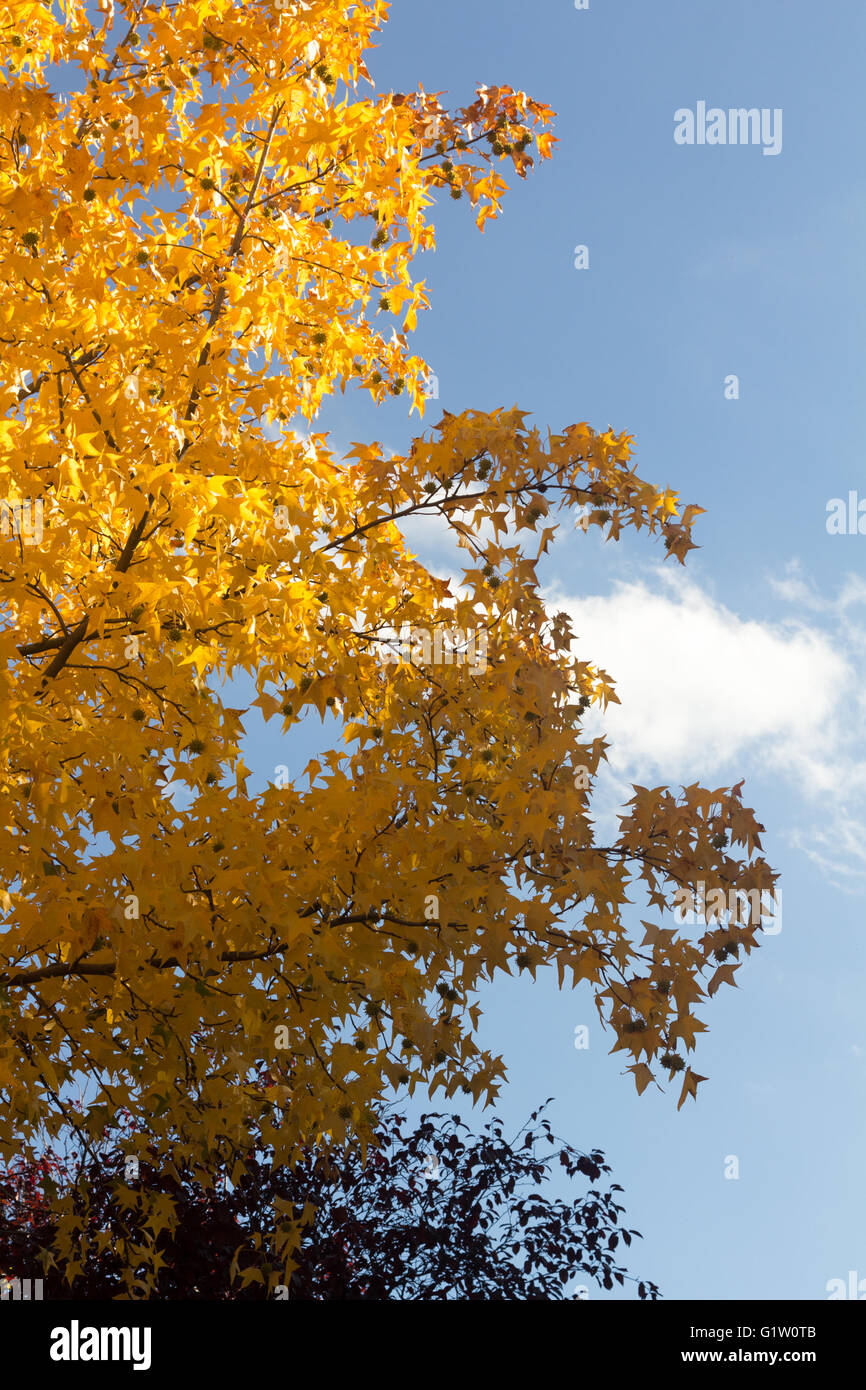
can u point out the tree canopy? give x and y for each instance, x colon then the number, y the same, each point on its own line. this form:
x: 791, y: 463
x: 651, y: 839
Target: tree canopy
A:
x: 208, y: 228
x: 431, y: 1212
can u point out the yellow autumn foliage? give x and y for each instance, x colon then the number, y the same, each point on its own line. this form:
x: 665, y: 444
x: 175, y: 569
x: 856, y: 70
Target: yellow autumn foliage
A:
x: 209, y: 231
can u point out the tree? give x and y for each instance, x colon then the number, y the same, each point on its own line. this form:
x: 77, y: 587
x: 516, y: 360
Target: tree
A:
x: 185, y: 282
x: 433, y: 1213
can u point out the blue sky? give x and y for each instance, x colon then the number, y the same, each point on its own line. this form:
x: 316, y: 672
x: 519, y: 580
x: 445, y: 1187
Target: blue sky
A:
x: 703, y: 262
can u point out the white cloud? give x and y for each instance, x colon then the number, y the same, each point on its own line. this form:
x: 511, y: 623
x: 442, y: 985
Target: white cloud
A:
x: 795, y: 589
x: 710, y: 696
